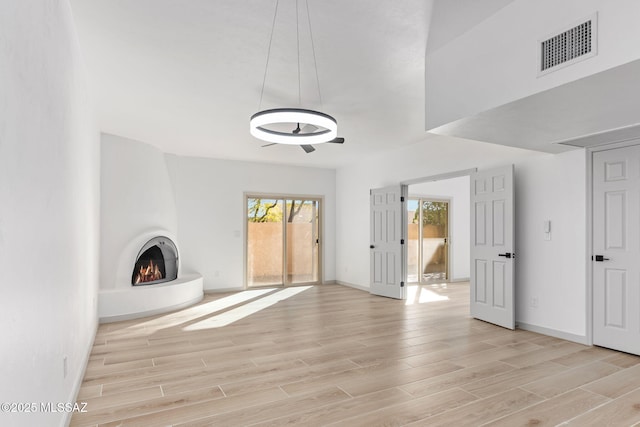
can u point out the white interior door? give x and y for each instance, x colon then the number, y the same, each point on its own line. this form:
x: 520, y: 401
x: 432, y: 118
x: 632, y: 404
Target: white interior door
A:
x: 616, y: 249
x: 387, y: 242
x: 492, y: 246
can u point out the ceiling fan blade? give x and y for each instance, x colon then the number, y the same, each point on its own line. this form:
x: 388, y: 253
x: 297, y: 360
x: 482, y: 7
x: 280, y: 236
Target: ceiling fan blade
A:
x: 337, y: 140
x: 269, y: 145
x: 308, y: 148
x: 308, y: 128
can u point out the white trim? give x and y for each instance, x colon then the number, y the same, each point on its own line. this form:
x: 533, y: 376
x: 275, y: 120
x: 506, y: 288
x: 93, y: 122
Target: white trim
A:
x: 429, y: 198
x: 588, y: 318
x: 601, y: 138
x: 580, y: 339
x: 245, y: 246
x: 404, y: 230
x: 615, y: 145
x: 439, y: 177
x: 353, y: 285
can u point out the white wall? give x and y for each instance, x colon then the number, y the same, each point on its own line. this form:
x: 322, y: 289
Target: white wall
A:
x: 554, y: 272
x: 49, y: 209
x: 199, y: 203
x: 457, y: 190
x: 354, y: 181
x: 452, y: 18
x: 210, y: 201
x: 137, y: 204
x: 548, y: 187
x: 491, y: 67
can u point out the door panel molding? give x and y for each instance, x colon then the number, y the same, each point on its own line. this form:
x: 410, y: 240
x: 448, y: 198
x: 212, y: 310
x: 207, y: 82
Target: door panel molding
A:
x: 492, y: 227
x: 386, y: 247
x: 613, y: 277
x: 589, y: 249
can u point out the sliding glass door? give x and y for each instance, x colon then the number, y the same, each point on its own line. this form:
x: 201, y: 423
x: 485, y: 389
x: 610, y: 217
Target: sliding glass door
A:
x: 282, y: 240
x: 428, y: 240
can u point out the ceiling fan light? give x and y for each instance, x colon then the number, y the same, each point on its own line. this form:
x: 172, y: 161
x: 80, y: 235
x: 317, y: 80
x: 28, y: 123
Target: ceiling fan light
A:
x: 326, y: 126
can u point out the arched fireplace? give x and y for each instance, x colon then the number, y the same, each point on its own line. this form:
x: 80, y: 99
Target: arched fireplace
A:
x: 157, y: 262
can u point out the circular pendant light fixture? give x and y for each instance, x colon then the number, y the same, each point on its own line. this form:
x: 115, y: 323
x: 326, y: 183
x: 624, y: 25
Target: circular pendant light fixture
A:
x: 293, y: 126
x: 275, y: 126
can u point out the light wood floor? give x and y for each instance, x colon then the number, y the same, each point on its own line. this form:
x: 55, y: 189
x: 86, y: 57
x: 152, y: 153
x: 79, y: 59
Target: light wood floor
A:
x: 335, y: 355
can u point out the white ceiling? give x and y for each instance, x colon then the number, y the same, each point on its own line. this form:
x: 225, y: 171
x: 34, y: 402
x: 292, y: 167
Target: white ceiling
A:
x: 186, y: 75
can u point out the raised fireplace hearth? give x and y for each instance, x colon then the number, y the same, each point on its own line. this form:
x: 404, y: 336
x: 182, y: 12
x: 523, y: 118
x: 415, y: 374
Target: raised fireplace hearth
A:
x: 157, y: 262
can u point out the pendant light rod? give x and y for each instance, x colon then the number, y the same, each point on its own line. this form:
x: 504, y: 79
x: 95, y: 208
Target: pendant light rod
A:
x: 298, y: 49
x: 313, y: 51
x: 266, y: 65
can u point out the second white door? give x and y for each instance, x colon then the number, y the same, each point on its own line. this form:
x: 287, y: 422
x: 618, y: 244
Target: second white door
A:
x: 492, y: 243
x: 616, y: 249
x: 386, y: 247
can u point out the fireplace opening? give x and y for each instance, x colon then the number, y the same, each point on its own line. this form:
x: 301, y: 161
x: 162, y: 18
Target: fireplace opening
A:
x: 156, y: 262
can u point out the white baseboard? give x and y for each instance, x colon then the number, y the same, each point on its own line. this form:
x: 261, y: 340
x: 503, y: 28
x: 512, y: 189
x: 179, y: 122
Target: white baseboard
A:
x: 222, y: 290
x: 553, y: 333
x: 73, y: 397
x: 351, y: 285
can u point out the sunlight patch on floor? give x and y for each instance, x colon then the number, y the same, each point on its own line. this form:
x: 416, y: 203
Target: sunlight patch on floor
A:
x: 238, y: 313
x: 417, y: 294
x: 202, y: 310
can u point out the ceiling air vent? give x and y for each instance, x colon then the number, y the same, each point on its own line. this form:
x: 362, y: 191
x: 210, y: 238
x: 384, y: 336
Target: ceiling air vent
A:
x: 570, y: 46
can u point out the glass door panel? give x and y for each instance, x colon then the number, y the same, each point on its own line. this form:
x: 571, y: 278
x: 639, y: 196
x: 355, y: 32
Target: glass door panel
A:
x: 265, y: 242
x: 435, y: 232
x: 302, y: 241
x: 413, y: 241
x: 282, y: 241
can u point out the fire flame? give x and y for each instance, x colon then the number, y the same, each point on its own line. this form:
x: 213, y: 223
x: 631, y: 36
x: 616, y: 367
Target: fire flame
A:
x: 148, y: 273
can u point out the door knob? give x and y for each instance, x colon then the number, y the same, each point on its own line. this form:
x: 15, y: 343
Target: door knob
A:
x: 599, y: 258
x: 506, y: 255
x: 371, y: 246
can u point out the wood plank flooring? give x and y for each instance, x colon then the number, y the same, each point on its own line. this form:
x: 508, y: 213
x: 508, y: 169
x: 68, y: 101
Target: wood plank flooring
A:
x: 332, y: 355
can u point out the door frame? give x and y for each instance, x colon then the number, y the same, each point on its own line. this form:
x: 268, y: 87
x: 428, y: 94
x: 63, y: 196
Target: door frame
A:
x: 431, y: 178
x: 448, y: 245
x: 285, y: 196
x: 589, y: 152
